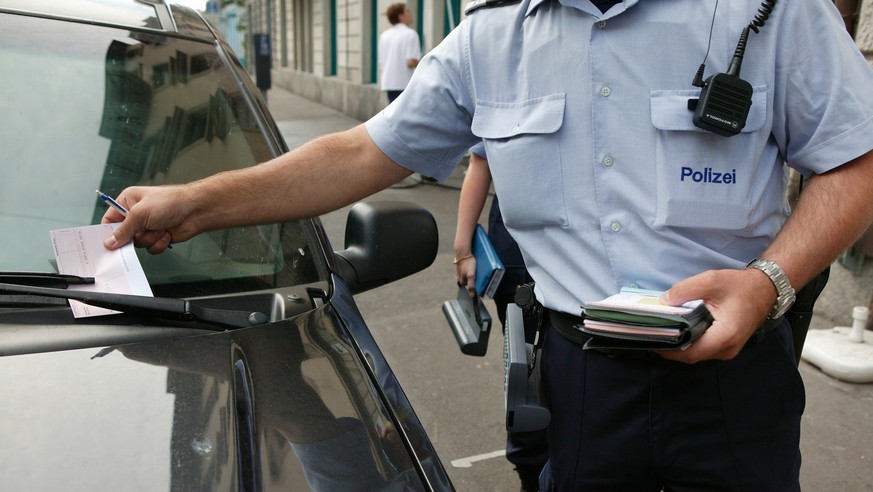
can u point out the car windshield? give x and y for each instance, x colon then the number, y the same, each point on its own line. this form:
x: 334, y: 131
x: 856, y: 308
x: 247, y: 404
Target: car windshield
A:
x: 90, y: 108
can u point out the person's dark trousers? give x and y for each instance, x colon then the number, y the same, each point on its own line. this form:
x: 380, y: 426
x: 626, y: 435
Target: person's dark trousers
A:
x: 624, y: 423
x: 392, y: 95
x: 528, y: 451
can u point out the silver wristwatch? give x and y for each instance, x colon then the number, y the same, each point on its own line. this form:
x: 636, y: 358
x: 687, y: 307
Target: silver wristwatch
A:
x: 784, y: 292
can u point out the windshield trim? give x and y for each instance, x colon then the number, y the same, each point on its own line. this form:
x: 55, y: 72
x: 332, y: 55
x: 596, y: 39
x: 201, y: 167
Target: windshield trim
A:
x: 114, y: 25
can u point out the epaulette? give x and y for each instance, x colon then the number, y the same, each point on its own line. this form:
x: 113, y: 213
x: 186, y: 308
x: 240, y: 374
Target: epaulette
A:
x: 477, y: 4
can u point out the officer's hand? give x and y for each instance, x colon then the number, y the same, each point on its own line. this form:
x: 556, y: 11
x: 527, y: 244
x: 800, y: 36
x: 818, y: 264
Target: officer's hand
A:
x: 156, y: 217
x: 465, y: 272
x: 738, y: 300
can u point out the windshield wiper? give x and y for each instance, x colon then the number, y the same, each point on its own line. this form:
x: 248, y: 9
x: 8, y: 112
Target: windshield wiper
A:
x: 44, y: 279
x: 158, y: 307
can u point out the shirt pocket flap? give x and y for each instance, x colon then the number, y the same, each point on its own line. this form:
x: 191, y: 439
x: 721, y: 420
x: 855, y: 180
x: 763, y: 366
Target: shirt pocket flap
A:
x: 670, y: 110
x: 493, y: 120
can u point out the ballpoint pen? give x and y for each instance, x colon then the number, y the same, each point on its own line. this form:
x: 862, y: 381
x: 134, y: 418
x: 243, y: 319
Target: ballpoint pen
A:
x: 117, y: 206
x: 112, y: 203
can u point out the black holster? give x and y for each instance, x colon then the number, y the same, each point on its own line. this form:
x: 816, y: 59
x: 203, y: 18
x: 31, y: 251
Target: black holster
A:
x: 799, y: 316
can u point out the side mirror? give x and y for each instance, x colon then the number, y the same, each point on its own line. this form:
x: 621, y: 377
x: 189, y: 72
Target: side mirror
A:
x: 384, y: 242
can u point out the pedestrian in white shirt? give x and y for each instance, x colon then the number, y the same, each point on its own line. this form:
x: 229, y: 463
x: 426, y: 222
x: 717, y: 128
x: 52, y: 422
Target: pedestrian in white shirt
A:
x: 399, y: 51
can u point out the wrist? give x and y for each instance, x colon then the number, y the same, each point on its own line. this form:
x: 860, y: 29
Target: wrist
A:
x: 463, y: 250
x: 785, y: 294
x: 193, y: 202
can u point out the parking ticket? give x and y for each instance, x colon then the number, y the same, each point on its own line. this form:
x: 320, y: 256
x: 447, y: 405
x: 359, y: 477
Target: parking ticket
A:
x: 80, y: 251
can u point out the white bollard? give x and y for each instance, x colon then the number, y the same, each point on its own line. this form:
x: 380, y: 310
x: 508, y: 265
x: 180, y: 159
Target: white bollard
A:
x: 859, y: 315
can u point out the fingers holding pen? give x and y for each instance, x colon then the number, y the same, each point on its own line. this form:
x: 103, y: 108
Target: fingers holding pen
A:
x: 156, y: 217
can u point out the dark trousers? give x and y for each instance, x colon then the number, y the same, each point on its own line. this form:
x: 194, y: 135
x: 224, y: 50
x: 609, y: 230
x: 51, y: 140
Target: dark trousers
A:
x: 624, y: 423
x: 392, y: 95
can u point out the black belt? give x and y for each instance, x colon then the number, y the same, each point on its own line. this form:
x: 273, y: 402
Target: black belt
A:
x: 565, y: 325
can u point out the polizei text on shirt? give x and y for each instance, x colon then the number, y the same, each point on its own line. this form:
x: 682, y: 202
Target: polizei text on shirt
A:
x: 708, y: 175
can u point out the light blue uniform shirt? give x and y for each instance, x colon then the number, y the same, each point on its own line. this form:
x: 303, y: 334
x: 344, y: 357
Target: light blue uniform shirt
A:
x: 603, y: 179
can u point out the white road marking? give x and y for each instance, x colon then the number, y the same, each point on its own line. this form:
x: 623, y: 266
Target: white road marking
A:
x: 468, y: 462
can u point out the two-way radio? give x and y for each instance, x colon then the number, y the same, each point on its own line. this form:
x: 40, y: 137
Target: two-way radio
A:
x: 725, y: 98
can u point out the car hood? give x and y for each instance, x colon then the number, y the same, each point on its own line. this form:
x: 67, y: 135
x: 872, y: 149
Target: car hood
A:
x: 287, y: 405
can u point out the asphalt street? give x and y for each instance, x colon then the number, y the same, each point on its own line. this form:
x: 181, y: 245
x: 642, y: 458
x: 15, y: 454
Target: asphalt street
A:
x: 459, y: 398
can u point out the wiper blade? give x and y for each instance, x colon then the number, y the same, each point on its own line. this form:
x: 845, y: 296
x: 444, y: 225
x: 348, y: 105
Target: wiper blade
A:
x: 44, y: 279
x: 158, y: 307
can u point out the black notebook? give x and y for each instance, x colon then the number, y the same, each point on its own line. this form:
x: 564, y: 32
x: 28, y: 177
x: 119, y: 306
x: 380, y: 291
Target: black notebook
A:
x: 636, y: 319
x: 469, y: 321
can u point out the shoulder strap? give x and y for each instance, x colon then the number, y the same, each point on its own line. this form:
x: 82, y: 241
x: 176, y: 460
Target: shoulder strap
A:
x: 477, y: 4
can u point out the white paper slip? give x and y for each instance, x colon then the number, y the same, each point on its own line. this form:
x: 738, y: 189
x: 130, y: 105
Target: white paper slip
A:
x: 642, y: 301
x: 80, y: 251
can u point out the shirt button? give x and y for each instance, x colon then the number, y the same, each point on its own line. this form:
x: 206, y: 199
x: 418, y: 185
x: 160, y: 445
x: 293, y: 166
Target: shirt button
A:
x: 605, y: 91
x: 615, y: 227
x: 608, y: 160
x: 516, y: 129
x: 601, y: 24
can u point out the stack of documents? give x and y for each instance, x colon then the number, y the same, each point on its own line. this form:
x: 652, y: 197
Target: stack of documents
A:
x: 636, y: 319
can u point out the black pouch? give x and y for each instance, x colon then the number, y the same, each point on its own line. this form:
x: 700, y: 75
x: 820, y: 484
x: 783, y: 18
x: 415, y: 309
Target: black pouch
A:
x: 469, y: 321
x: 799, y: 315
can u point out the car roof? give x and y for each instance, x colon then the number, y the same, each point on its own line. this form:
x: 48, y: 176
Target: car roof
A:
x: 152, y: 15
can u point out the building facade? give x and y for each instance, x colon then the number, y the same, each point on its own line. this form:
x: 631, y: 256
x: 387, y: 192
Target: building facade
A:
x: 325, y: 50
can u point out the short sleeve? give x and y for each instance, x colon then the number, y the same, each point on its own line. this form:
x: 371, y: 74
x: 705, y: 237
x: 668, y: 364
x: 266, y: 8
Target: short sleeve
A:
x: 479, y: 149
x: 413, y: 46
x: 427, y: 129
x: 823, y: 117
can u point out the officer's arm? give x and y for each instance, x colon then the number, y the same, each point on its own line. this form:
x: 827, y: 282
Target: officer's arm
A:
x: 323, y: 175
x: 833, y: 211
x: 474, y: 193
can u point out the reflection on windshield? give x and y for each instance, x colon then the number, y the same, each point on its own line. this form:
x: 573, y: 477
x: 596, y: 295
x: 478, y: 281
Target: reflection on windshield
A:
x: 89, y: 108
x: 165, y: 118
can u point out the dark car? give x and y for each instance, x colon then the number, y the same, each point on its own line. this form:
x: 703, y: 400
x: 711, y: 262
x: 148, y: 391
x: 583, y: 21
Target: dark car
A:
x: 250, y: 368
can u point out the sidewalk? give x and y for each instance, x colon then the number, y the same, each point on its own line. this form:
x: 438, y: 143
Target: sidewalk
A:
x: 837, y: 430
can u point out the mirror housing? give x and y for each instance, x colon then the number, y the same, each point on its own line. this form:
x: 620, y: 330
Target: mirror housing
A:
x: 386, y: 241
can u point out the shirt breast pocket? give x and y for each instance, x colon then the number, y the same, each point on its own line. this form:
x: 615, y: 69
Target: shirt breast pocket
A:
x: 704, y: 180
x: 522, y: 143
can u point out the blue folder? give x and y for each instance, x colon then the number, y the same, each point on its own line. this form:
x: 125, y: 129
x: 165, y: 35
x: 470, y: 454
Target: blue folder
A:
x: 489, y: 268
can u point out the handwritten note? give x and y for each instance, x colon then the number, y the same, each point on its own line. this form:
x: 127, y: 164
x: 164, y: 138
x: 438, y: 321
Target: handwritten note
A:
x: 80, y: 251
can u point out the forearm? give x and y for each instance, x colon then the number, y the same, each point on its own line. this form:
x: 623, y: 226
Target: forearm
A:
x: 472, y: 199
x: 834, y: 209
x: 322, y: 175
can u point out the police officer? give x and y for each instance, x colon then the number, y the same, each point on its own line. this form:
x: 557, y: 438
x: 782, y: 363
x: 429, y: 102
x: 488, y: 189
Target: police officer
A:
x: 583, y: 109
